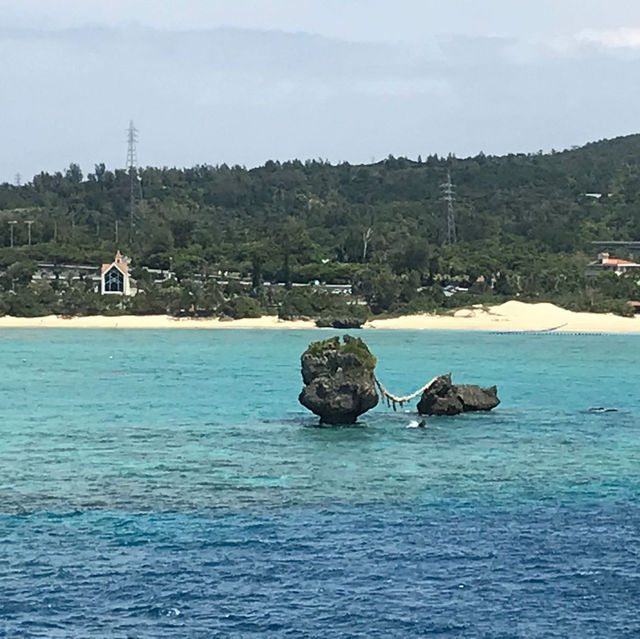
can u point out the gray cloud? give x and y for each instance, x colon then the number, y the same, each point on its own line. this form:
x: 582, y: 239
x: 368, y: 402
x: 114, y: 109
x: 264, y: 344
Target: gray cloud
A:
x: 352, y: 20
x: 243, y: 96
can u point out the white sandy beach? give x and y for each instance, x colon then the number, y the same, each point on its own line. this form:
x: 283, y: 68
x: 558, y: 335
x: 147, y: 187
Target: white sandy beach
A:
x: 516, y: 316
x: 510, y: 316
x: 146, y: 321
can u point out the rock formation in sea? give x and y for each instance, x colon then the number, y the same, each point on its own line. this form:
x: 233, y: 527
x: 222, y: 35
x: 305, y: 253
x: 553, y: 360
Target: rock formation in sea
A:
x: 339, y: 322
x: 442, y: 397
x: 338, y: 379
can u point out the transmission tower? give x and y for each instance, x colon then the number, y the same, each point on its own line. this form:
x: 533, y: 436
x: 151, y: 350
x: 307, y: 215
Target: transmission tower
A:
x: 135, y: 190
x: 448, y: 195
x: 18, y: 181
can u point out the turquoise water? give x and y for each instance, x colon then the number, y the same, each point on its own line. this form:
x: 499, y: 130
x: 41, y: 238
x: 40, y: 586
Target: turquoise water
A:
x: 168, y: 483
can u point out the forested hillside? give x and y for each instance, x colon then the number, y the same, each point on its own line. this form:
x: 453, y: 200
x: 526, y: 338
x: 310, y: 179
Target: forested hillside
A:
x: 524, y: 224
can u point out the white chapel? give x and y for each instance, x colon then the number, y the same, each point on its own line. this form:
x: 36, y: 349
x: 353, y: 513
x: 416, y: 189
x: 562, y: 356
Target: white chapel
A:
x: 114, y: 277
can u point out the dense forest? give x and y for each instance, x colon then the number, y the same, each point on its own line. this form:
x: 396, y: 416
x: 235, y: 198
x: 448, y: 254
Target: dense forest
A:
x: 524, y: 224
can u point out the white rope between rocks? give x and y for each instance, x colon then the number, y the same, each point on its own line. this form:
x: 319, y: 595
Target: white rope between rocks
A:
x: 392, y: 399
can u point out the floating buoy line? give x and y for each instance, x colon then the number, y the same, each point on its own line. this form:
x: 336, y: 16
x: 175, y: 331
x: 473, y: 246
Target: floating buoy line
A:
x: 541, y: 331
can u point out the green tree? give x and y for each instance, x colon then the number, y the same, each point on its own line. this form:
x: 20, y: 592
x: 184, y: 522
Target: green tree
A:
x: 74, y: 174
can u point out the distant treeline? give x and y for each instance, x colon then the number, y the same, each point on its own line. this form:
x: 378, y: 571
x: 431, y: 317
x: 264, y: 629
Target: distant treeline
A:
x: 524, y: 224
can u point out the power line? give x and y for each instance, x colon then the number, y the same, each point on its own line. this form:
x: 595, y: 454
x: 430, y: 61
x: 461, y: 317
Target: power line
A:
x: 448, y: 195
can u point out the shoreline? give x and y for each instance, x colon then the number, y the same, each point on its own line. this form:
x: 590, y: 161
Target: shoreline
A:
x: 512, y: 316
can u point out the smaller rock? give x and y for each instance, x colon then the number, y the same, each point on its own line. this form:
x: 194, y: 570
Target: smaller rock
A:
x: 477, y: 398
x: 440, y: 398
x: 445, y: 398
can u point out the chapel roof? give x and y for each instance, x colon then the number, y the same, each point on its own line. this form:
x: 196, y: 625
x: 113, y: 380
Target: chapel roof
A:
x: 119, y: 262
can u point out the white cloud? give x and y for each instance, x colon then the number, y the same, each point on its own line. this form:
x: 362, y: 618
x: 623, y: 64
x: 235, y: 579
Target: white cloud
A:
x: 621, y: 39
x: 625, y: 37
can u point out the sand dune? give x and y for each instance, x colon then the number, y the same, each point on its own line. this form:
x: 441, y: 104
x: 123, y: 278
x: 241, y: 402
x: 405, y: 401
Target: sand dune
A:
x: 516, y: 316
x: 510, y: 316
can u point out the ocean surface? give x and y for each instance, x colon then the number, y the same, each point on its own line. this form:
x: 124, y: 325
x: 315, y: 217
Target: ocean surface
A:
x: 168, y: 484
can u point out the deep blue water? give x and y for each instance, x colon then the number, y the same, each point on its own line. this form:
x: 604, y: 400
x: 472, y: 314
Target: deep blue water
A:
x: 168, y: 484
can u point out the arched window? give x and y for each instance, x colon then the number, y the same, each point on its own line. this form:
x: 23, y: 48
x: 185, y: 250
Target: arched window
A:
x: 113, y: 281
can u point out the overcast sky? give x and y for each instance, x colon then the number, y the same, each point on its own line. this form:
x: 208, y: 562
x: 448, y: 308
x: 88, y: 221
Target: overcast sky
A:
x: 241, y: 81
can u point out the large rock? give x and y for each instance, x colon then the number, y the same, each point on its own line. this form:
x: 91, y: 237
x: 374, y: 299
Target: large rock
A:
x: 338, y: 378
x: 445, y: 398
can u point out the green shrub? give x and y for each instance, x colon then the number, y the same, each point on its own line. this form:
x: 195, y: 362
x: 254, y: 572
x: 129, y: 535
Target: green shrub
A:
x: 242, y: 306
x: 312, y: 303
x: 26, y: 303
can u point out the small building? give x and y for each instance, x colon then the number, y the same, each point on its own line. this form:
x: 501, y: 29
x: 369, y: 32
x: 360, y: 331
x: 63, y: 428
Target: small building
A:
x: 114, y: 277
x: 607, y: 263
